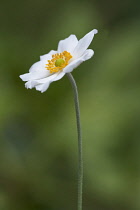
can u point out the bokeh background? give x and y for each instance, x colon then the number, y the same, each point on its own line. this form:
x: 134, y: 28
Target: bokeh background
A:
x: 38, y: 140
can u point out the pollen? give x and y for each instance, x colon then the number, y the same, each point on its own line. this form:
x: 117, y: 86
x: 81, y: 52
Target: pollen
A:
x: 58, y: 62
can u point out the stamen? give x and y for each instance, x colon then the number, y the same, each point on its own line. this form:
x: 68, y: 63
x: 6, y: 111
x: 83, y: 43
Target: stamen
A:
x: 58, y: 62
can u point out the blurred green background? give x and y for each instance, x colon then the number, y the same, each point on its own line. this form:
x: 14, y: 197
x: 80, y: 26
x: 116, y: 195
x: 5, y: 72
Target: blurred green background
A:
x: 38, y: 140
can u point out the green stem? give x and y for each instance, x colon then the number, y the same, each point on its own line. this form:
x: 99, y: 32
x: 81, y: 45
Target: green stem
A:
x: 80, y: 156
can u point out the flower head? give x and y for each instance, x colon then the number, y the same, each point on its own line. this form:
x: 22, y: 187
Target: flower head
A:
x: 54, y: 65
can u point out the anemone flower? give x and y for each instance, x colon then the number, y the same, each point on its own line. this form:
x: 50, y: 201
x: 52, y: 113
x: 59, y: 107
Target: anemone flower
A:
x: 54, y: 65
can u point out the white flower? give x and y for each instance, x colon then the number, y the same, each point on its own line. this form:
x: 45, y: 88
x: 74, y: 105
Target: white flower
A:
x: 54, y: 65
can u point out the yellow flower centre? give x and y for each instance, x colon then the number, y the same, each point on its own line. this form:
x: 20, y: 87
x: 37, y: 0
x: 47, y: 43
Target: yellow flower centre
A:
x: 58, y: 62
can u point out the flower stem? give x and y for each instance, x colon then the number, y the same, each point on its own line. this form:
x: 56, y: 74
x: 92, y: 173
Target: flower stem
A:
x: 80, y: 156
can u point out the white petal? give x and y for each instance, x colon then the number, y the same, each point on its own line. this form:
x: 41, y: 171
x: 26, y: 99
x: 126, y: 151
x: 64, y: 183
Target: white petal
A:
x: 42, y: 87
x: 34, y: 75
x: 38, y: 66
x: 25, y: 77
x: 31, y: 84
x: 43, y: 84
x: 48, y: 56
x: 37, y: 71
x: 68, y: 44
x: 84, y: 43
x: 87, y: 55
x: 52, y: 52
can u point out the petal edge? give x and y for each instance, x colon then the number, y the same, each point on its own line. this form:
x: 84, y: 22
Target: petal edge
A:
x: 84, y: 43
